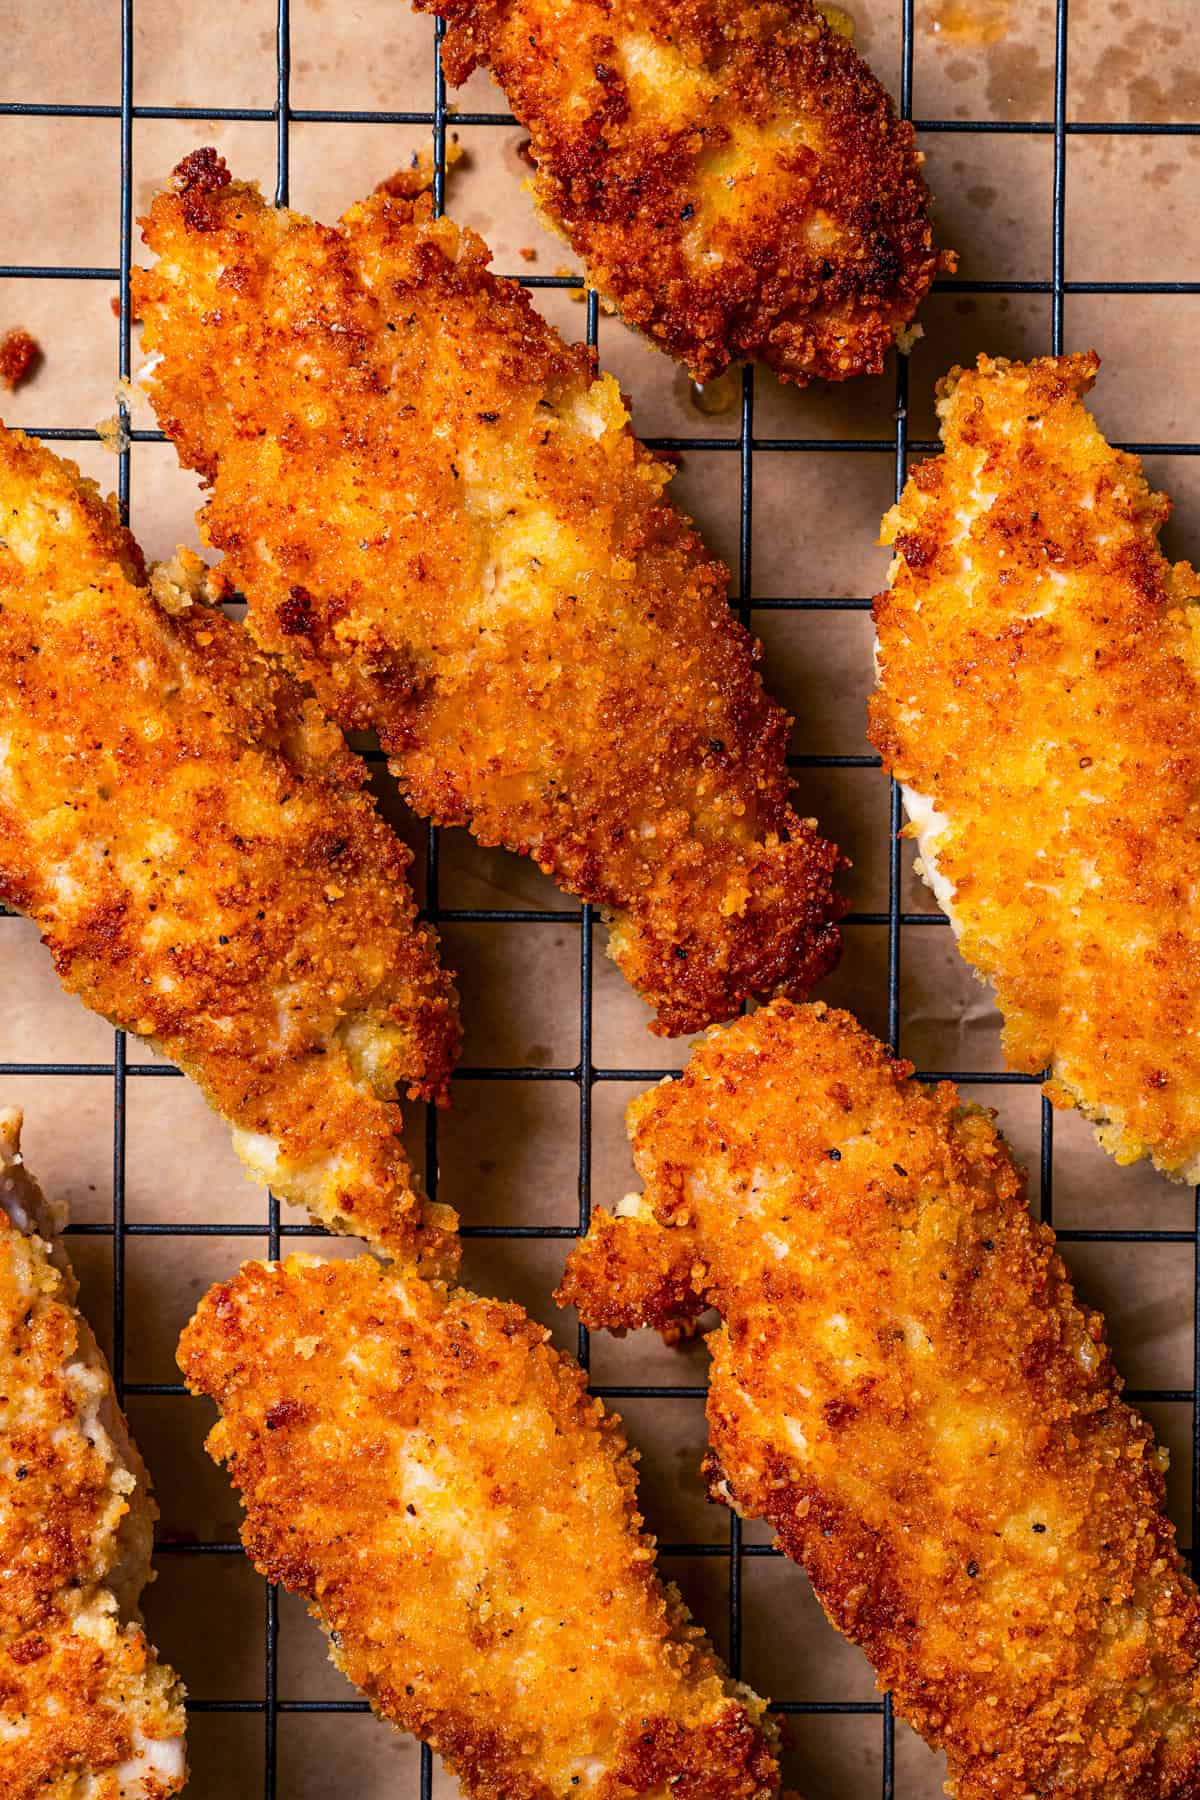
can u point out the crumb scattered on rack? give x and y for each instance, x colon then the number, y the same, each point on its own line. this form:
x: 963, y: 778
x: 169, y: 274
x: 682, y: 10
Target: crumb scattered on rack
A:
x: 907, y: 336
x: 417, y: 178
x: 186, y: 580
x: 20, y: 353
x: 113, y: 432
x: 578, y: 294
x: 528, y: 252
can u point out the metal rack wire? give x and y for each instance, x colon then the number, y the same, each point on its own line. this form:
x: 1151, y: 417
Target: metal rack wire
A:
x: 584, y: 1074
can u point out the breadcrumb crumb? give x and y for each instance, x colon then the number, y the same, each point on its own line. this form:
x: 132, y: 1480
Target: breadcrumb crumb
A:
x: 113, y: 433
x: 20, y: 354
x: 418, y: 177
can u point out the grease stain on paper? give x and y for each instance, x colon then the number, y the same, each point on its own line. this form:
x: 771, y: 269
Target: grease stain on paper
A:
x: 720, y: 395
x: 970, y: 24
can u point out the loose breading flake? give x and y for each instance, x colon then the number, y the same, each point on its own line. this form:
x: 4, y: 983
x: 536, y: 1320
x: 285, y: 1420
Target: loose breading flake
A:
x: 193, y: 838
x: 87, y: 1712
x: 113, y: 432
x: 418, y: 177
x: 20, y: 354
x: 732, y: 174
x: 439, y: 516
x: 1039, y: 685
x: 433, y: 1478
x: 906, y: 1388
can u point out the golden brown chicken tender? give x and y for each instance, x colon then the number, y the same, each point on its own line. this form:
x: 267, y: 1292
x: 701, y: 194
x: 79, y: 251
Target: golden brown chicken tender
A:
x: 1039, y: 686
x: 906, y: 1388
x: 430, y: 1474
x: 192, y: 838
x: 87, y: 1712
x: 442, y: 520
x: 733, y: 176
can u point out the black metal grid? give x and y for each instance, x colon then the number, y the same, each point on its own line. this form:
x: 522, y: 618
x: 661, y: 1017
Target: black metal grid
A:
x: 584, y: 1074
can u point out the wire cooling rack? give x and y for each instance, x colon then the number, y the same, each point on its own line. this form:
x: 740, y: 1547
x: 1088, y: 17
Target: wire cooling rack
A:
x: 584, y: 1075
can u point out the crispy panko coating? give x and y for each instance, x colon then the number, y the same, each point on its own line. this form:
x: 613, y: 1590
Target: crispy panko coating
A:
x: 443, y: 521
x: 1039, y: 686
x: 733, y: 175
x: 906, y: 1388
x: 193, y: 840
x: 430, y: 1474
x: 87, y: 1712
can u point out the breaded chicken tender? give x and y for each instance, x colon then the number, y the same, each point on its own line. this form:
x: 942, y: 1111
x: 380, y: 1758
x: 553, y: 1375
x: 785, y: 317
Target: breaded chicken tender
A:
x: 87, y: 1712
x: 442, y: 520
x: 732, y: 174
x: 1039, y: 686
x: 430, y: 1474
x: 906, y: 1388
x: 192, y: 838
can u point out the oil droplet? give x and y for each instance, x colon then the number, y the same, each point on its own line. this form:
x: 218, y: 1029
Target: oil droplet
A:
x: 970, y: 23
x: 720, y: 395
x: 837, y: 19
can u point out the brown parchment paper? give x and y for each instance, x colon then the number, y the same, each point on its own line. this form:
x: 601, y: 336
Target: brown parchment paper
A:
x: 509, y: 1151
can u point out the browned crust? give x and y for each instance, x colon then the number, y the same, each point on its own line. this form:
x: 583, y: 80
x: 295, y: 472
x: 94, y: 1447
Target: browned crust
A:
x: 636, y: 1274
x: 431, y: 1475
x: 1040, y: 682
x: 444, y: 523
x: 733, y: 175
x: 193, y: 838
x: 78, y: 1679
x: 70, y: 1693
x: 906, y: 1388
x: 19, y: 353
